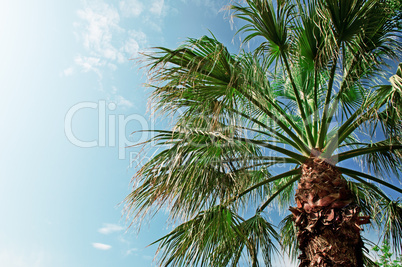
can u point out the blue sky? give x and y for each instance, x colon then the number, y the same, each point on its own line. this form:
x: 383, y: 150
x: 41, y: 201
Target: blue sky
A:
x: 70, y: 97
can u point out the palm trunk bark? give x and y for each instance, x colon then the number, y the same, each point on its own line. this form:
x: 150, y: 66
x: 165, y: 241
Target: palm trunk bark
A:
x: 327, y: 219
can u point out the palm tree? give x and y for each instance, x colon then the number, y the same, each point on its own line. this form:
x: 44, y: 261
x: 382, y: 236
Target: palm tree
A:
x: 276, y: 127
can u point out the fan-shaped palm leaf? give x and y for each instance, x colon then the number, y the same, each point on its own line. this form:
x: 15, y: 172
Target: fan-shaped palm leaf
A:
x: 275, y: 127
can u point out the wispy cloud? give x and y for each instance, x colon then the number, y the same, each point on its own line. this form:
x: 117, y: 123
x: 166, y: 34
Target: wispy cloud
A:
x: 131, y: 251
x: 122, y: 102
x: 107, y: 43
x: 109, y: 228
x: 68, y: 72
x: 88, y: 63
x: 100, y: 22
x: 119, y: 100
x: 131, y: 8
x: 123, y: 240
x: 136, y: 40
x: 157, y: 7
x: 101, y: 246
x: 213, y: 5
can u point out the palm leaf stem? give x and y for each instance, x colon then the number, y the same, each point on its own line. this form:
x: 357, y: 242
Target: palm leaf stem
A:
x: 269, y: 163
x: 269, y: 180
x: 272, y: 197
x: 280, y: 138
x: 343, y: 86
x: 334, y: 142
x: 276, y: 136
x: 298, y: 145
x: 310, y: 138
x: 351, y: 124
x: 346, y: 130
x: 285, y: 115
x: 372, y: 178
x: 297, y: 138
x: 277, y: 159
x: 354, y: 144
x: 375, y: 188
x: 299, y: 158
x: 362, y: 151
x: 315, y: 111
x: 296, y: 156
x: 324, y: 126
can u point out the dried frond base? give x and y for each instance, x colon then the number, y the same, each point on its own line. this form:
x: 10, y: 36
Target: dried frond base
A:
x: 330, y: 237
x: 328, y: 222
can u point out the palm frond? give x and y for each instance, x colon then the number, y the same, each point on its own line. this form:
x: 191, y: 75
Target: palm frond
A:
x: 261, y: 236
x: 352, y: 173
x: 222, y: 238
x: 288, y: 233
x: 268, y: 22
x: 367, y: 197
x: 392, y: 220
x: 202, y: 71
x: 207, y: 240
x: 368, y: 262
x: 347, y: 17
x: 314, y: 89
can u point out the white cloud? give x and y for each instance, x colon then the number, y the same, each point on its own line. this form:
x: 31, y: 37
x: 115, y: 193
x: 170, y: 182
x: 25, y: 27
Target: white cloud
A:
x: 109, y: 228
x: 68, y: 72
x: 157, y: 7
x: 123, y: 240
x: 122, y: 102
x: 140, y: 36
x: 134, y: 43
x: 131, y: 47
x: 131, y: 8
x: 106, y: 41
x: 214, y: 6
x: 131, y: 251
x: 101, y: 246
x: 89, y: 64
x: 101, y: 21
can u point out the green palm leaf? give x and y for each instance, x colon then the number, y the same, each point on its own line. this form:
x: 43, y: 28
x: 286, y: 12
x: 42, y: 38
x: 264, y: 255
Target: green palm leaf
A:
x: 255, y: 129
x: 222, y: 238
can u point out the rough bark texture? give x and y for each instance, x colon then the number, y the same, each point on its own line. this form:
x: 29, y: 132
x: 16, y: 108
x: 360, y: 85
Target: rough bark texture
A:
x: 327, y: 220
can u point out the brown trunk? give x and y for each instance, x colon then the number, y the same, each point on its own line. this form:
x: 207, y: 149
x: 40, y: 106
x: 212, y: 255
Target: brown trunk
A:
x: 327, y: 219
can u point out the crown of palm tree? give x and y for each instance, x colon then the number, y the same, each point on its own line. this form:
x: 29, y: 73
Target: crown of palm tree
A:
x: 245, y: 124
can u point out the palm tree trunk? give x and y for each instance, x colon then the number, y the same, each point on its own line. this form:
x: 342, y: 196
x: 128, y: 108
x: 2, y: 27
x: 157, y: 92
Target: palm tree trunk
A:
x: 327, y: 219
